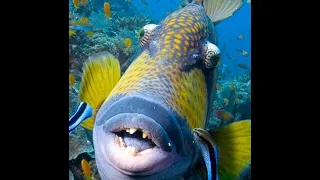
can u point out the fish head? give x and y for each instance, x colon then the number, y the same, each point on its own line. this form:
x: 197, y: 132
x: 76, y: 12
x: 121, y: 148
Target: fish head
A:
x: 143, y: 130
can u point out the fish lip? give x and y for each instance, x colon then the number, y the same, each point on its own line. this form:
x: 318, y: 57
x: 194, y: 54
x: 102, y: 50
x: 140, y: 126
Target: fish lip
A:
x: 146, y: 105
x: 154, y: 161
x: 124, y: 121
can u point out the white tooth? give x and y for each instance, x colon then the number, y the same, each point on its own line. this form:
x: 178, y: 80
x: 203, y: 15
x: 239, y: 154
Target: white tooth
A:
x: 122, y: 144
x: 133, y: 151
x: 144, y: 135
x: 127, y: 130
x: 132, y: 130
x: 127, y: 150
x: 120, y: 139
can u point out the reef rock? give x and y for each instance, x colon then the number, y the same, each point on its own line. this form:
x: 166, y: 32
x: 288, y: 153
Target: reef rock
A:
x: 71, y: 175
x: 79, y: 143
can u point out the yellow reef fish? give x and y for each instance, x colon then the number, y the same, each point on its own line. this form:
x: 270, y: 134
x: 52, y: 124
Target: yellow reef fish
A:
x: 107, y: 10
x: 72, y: 32
x: 150, y: 122
x: 85, y: 20
x: 90, y: 33
x: 83, y: 2
x: 82, y: 22
x: 76, y: 3
x: 81, y: 25
x: 86, y: 169
x: 72, y: 80
x: 127, y: 43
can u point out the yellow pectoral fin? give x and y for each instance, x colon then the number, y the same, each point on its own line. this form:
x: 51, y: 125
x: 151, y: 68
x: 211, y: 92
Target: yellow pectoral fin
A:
x: 234, y: 142
x: 88, y: 123
x: 101, y: 72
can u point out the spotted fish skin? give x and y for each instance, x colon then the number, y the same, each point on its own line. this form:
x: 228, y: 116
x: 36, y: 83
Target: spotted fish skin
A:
x: 168, y: 71
x: 181, y: 33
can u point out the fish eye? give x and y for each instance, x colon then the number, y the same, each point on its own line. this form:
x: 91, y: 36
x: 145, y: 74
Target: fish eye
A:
x: 140, y: 34
x: 211, y: 55
x: 145, y: 33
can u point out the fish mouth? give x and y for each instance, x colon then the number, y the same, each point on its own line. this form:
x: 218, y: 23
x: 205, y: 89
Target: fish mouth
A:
x: 135, y: 144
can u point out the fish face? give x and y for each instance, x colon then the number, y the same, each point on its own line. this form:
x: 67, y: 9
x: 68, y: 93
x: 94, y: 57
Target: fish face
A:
x: 143, y: 130
x: 140, y: 137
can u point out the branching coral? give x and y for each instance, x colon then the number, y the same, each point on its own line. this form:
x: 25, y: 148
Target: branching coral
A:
x: 79, y: 143
x: 239, y: 100
x: 131, y: 23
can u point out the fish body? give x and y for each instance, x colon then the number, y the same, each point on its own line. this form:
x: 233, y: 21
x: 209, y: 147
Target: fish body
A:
x: 149, y: 124
x: 72, y: 32
x: 81, y: 28
x: 76, y: 3
x: 243, y: 66
x: 127, y: 43
x: 223, y: 114
x: 86, y: 169
x: 165, y: 94
x: 83, y: 111
x: 107, y: 10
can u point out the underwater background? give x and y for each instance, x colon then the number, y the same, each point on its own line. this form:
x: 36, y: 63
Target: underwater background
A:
x: 118, y: 35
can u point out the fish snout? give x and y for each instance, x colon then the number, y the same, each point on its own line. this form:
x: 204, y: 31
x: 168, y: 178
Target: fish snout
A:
x: 136, y: 136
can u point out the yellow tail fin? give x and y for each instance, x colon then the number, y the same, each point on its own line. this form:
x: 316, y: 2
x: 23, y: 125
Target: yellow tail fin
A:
x: 101, y: 73
x: 218, y: 10
x: 234, y: 142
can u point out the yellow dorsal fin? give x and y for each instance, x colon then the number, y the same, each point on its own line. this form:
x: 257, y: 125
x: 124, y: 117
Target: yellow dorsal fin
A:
x: 234, y: 142
x: 101, y: 72
x: 218, y: 10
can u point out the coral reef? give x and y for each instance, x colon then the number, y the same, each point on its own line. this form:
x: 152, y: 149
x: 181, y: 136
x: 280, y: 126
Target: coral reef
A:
x: 239, y: 100
x: 109, y: 38
x: 81, y: 47
x: 71, y: 177
x: 131, y: 23
x: 79, y: 143
x: 76, y: 169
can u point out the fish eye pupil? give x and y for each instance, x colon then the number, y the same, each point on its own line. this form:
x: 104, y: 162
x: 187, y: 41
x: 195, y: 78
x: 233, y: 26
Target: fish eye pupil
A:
x: 141, y: 33
x: 215, y: 60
